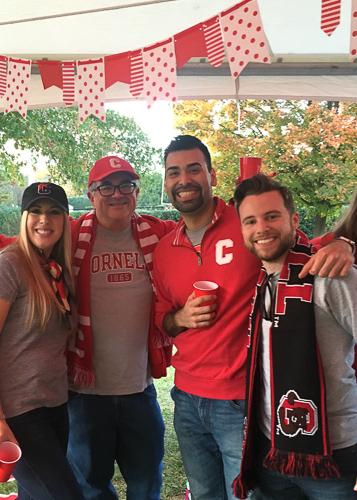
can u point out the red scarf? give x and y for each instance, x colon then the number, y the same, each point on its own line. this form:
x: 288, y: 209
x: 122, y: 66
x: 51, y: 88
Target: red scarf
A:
x: 80, y: 350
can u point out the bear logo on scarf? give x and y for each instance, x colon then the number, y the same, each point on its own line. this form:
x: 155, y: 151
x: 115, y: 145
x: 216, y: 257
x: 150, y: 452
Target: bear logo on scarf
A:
x: 297, y: 415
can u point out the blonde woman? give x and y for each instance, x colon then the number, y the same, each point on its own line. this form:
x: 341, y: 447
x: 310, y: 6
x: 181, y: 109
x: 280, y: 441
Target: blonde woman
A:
x: 36, y: 317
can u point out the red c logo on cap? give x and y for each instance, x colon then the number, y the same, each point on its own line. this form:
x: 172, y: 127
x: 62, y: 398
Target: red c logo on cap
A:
x: 44, y: 189
x: 114, y: 162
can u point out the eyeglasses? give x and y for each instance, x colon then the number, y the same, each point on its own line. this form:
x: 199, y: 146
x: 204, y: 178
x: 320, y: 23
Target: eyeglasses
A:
x: 109, y: 189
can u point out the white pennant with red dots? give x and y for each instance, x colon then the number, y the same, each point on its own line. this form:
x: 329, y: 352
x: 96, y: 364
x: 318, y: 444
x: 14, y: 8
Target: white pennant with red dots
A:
x: 18, y: 82
x: 3, y: 75
x: 160, y: 72
x: 244, y: 36
x: 91, y: 89
x: 353, y: 42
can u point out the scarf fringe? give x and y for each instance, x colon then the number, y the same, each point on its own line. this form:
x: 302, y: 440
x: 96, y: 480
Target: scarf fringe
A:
x: 301, y: 464
x: 81, y: 377
x: 242, y: 486
x: 160, y: 340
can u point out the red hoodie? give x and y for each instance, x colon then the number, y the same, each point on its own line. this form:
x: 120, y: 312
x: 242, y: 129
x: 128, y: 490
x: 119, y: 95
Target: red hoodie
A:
x: 209, y: 362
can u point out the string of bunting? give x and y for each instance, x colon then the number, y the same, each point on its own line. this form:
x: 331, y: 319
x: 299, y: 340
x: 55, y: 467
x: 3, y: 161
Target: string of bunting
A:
x: 151, y: 72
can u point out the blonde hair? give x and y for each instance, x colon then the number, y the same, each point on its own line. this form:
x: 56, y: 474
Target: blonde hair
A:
x: 42, y: 301
x: 347, y: 225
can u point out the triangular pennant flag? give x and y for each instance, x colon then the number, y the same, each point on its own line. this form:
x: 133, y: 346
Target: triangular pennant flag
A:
x: 90, y: 89
x: 190, y: 43
x: 3, y: 75
x: 136, y: 73
x: 117, y: 69
x: 353, y: 40
x: 244, y: 36
x: 51, y: 73
x: 18, y: 82
x: 68, y: 82
x: 214, y: 41
x: 330, y: 15
x: 160, y: 72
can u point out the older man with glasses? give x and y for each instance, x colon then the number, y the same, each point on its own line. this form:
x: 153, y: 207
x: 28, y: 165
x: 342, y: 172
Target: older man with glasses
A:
x: 114, y: 414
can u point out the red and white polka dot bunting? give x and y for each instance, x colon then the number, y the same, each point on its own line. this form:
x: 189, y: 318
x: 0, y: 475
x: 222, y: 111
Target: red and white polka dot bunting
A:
x: 160, y: 77
x: 353, y: 42
x: 18, y: 83
x: 244, y: 36
x: 68, y: 82
x: 91, y: 89
x: 3, y: 75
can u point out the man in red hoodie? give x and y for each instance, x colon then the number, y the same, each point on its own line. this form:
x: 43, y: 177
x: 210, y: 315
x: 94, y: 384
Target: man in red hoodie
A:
x: 211, y: 340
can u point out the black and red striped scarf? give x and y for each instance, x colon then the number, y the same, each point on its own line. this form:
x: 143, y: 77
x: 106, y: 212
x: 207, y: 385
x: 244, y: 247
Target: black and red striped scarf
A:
x: 55, y: 273
x: 300, y: 444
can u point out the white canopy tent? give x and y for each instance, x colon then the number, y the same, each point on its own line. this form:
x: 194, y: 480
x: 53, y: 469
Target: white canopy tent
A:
x: 306, y: 63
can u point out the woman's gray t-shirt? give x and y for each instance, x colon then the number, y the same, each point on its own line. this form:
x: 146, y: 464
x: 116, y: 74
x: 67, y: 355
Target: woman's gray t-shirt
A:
x: 33, y: 371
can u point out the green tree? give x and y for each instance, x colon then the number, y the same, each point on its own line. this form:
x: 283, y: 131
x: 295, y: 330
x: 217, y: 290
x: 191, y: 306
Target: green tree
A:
x: 150, y: 190
x: 312, y: 147
x: 70, y: 147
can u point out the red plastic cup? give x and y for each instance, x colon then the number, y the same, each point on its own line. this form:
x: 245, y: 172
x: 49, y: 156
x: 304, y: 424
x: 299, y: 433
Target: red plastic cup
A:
x: 10, y: 454
x: 249, y: 166
x: 205, y: 288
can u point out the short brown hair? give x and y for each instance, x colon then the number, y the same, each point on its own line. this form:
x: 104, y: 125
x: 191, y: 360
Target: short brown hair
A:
x: 259, y: 184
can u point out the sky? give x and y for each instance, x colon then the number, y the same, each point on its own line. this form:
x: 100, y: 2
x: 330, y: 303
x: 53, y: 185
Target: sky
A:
x: 156, y: 122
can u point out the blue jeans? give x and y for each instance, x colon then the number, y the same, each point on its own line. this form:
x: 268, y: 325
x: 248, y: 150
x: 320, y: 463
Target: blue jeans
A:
x: 274, y: 486
x: 210, y: 434
x: 43, y: 471
x: 127, y: 429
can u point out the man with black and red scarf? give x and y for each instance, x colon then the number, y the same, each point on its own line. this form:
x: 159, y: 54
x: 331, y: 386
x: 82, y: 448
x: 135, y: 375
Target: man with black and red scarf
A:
x: 301, y: 403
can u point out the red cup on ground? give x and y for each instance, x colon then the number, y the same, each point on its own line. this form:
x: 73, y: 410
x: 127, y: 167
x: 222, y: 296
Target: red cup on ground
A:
x: 205, y: 288
x: 248, y: 166
x: 10, y: 454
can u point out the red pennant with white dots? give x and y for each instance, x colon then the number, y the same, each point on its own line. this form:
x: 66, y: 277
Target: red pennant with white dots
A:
x: 68, y: 82
x: 91, y: 89
x: 136, y: 73
x: 214, y: 41
x: 18, y: 82
x: 3, y: 75
x: 244, y: 36
x: 353, y: 42
x: 160, y: 72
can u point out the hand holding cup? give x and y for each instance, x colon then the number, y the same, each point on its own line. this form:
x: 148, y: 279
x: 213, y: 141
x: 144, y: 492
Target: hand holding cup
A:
x: 205, y: 288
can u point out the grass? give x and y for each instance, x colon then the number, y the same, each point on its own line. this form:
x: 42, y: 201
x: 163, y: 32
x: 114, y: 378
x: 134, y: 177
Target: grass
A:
x: 174, y: 479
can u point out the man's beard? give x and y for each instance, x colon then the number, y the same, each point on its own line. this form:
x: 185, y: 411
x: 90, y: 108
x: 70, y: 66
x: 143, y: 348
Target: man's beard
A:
x: 284, y: 245
x: 190, y: 205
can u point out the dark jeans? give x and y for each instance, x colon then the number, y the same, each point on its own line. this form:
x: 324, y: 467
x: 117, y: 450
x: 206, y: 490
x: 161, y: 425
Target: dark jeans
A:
x: 274, y: 486
x: 43, y: 471
x: 126, y: 429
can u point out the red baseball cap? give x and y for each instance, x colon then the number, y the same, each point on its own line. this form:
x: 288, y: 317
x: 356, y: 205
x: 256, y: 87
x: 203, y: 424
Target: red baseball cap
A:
x: 108, y: 165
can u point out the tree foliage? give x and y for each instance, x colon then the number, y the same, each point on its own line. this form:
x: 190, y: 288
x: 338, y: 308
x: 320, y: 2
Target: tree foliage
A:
x: 150, y: 190
x: 313, y: 148
x: 71, y: 148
